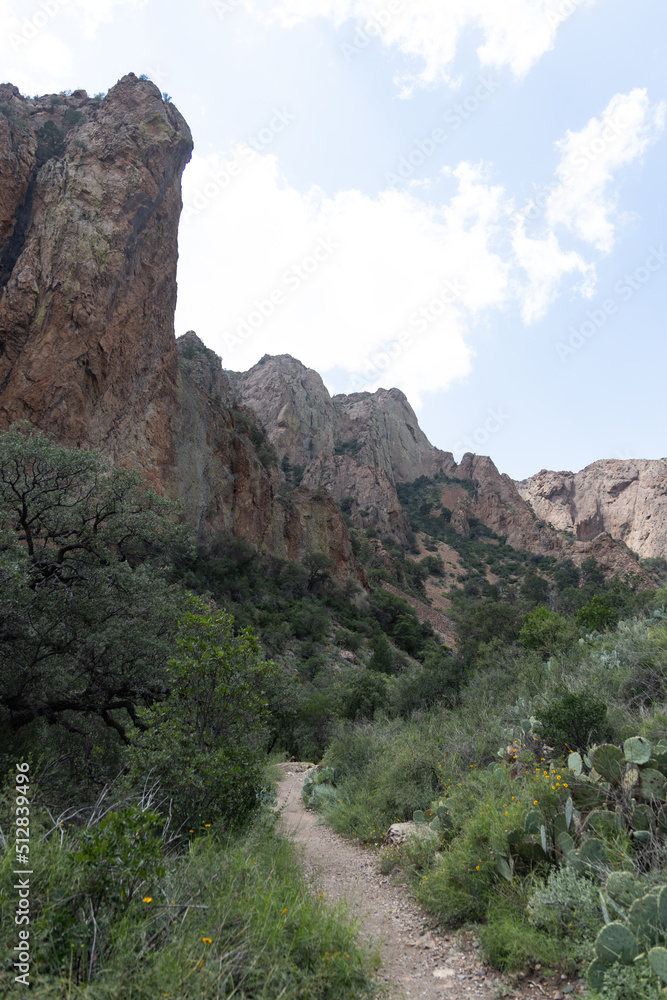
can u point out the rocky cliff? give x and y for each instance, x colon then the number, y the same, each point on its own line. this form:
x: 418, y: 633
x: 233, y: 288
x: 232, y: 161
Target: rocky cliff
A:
x: 89, y: 209
x: 228, y: 477
x: 357, y: 448
x: 626, y: 499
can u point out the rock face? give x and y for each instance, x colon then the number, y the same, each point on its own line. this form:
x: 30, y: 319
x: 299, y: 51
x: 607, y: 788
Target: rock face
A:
x: 626, y: 499
x: 230, y: 483
x: 89, y: 210
x: 292, y: 403
x: 498, y: 503
x: 356, y: 447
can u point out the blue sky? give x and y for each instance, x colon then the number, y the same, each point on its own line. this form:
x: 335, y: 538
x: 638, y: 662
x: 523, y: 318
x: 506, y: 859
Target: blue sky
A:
x: 463, y: 199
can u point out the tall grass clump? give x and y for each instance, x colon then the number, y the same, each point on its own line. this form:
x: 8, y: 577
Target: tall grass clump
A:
x: 119, y: 909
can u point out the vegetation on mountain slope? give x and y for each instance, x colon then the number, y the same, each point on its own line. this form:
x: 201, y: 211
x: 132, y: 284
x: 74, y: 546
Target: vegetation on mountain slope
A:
x: 145, y: 680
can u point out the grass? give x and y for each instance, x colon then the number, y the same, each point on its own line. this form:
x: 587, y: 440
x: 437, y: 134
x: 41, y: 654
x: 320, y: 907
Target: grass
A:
x: 228, y: 917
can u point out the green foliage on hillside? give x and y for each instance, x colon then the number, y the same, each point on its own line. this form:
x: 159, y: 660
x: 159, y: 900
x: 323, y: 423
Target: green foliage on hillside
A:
x: 50, y: 143
x: 139, y: 716
x: 146, y: 679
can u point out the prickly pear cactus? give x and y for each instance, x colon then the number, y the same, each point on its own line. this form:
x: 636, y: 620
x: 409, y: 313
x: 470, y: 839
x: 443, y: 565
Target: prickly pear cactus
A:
x: 640, y: 937
x: 616, y: 943
x: 637, y: 750
x: 609, y: 762
x: 657, y: 958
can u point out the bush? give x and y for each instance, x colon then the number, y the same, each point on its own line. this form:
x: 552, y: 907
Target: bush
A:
x: 597, y: 615
x: 50, y: 143
x: 382, y: 660
x: 204, y: 743
x: 547, y: 633
x: 567, y: 905
x: 574, y: 722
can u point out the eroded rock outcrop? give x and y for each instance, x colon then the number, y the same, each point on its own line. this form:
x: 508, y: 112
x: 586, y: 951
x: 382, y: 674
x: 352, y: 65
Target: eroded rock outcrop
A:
x: 355, y: 447
x: 89, y: 209
x: 91, y: 198
x: 627, y: 499
x: 498, y: 504
x: 229, y: 483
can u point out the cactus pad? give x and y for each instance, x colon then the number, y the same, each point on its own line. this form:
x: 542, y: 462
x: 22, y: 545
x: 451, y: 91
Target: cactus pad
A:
x: 595, y: 974
x: 593, y: 852
x: 609, y: 762
x: 652, y: 784
x: 637, y: 750
x: 616, y: 943
x: 658, y: 961
x: 575, y: 763
x: 532, y: 822
x: 662, y: 907
x: 644, y: 919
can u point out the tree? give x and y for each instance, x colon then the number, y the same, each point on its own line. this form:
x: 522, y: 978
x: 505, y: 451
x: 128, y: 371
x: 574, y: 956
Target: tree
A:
x: 87, y: 620
x: 382, y: 660
x: 204, y: 743
x: 566, y: 575
x: 50, y: 143
x: 575, y: 722
x: 318, y: 565
x: 597, y: 615
x: 546, y: 632
x: 535, y: 588
x: 592, y: 572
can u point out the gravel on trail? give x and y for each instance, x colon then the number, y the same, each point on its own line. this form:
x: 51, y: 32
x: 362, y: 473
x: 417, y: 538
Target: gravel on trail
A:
x: 417, y: 962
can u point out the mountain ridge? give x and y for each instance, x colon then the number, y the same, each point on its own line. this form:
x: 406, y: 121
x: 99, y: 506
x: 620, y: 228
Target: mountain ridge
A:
x: 88, y: 254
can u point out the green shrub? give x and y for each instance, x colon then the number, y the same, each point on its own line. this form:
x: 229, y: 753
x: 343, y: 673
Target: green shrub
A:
x: 50, y: 143
x: 511, y: 943
x: 547, y: 632
x: 597, y: 615
x: 575, y: 721
x: 567, y: 905
x: 203, y: 743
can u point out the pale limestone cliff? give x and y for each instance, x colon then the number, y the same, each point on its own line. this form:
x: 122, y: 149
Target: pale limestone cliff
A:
x: 627, y: 499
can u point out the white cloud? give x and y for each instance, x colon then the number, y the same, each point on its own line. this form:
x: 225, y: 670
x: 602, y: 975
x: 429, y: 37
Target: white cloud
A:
x: 396, y: 296
x: 545, y: 265
x: 582, y: 200
x: 35, y: 55
x: 393, y: 256
x: 515, y: 33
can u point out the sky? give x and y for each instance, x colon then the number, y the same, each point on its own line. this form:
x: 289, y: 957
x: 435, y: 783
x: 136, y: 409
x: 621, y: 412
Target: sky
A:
x: 460, y: 198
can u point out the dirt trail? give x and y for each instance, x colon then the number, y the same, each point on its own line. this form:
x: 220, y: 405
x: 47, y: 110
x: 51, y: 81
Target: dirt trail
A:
x: 417, y: 964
